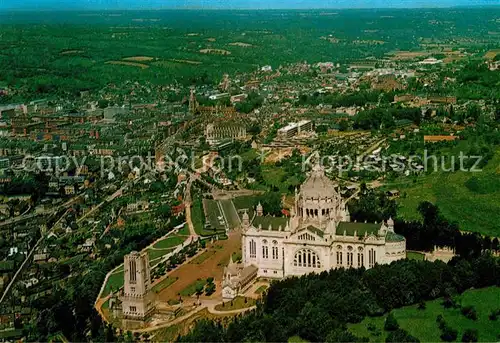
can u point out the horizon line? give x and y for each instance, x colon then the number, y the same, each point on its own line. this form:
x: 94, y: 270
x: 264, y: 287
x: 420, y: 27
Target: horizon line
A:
x: 190, y: 8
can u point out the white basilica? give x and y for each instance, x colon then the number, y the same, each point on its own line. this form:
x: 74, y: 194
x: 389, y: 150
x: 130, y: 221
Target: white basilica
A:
x: 318, y: 236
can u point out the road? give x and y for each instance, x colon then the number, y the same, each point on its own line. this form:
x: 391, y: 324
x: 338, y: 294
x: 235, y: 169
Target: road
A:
x: 205, y: 304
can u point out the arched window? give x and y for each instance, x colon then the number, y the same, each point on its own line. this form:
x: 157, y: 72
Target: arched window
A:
x: 275, y: 253
x: 265, y: 252
x: 306, y: 237
x: 350, y: 256
x: 306, y: 258
x: 253, y: 249
x: 372, y: 258
x: 361, y: 261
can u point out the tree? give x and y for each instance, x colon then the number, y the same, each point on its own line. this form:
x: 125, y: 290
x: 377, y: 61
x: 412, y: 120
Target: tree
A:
x: 391, y: 324
x: 470, y: 335
x: 473, y: 111
x: 110, y: 333
x: 343, y: 125
x: 469, y: 312
x: 158, y: 187
x: 199, y: 289
x: 422, y: 305
x: 399, y: 336
x: 210, y: 289
x: 339, y: 335
x: 271, y: 203
x: 164, y: 211
x: 254, y: 130
x: 204, y: 331
x: 103, y: 103
x: 321, y: 129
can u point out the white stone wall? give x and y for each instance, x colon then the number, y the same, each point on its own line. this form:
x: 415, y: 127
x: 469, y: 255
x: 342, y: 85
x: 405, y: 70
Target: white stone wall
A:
x: 229, y: 293
x: 394, y: 251
x: 326, y: 252
x: 137, y: 307
x: 270, y: 266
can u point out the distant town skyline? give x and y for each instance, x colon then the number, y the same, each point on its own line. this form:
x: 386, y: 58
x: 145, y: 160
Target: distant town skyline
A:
x: 232, y: 4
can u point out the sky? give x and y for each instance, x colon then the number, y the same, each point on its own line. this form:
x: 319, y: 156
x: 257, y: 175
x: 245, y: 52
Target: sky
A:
x: 231, y: 4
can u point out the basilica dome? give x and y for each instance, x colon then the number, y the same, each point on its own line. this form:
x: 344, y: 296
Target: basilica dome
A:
x: 318, y: 186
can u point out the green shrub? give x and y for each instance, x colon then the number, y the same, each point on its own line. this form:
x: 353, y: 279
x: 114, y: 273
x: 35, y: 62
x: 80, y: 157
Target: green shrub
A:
x: 391, y: 324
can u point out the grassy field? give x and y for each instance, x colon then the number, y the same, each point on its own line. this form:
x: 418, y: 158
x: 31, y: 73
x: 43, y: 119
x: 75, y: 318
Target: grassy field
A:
x: 422, y: 323
x: 184, y: 231
x: 154, y: 254
x: 163, y: 284
x: 115, y: 281
x: 230, y: 213
x: 236, y: 304
x: 191, y: 289
x: 197, y: 217
x: 169, y: 242
x: 213, y: 213
x: 413, y: 255
x: 470, y: 199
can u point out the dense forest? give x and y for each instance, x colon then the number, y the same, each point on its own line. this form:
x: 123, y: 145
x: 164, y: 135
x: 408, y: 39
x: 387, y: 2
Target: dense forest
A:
x: 65, y: 53
x: 317, y: 307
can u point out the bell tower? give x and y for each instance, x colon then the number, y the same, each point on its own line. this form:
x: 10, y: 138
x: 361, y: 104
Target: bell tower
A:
x: 137, y: 300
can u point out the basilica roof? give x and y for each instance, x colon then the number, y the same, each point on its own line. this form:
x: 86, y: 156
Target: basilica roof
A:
x: 265, y: 221
x: 393, y: 237
x: 359, y: 228
x: 315, y: 230
x: 318, y: 185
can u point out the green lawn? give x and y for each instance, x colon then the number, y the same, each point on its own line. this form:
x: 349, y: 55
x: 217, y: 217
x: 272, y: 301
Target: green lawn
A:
x: 169, y: 242
x: 261, y: 289
x: 191, y: 289
x: 154, y: 254
x: 413, y: 255
x: 422, y: 323
x: 213, y: 213
x: 184, y: 231
x: 197, y: 216
x: 470, y: 199
x: 231, y: 214
x: 163, y: 284
x: 236, y: 304
x: 297, y: 339
x: 115, y: 281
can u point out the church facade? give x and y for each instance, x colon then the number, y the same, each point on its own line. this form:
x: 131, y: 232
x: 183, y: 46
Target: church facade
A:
x: 319, y: 235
